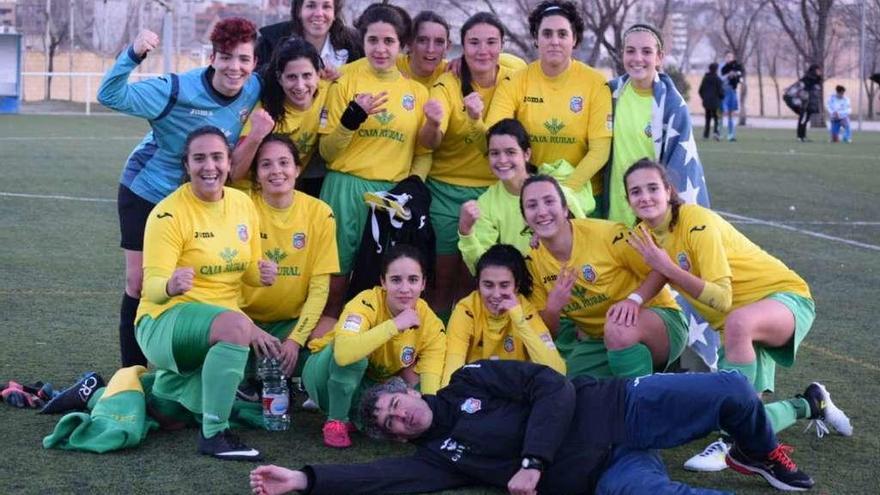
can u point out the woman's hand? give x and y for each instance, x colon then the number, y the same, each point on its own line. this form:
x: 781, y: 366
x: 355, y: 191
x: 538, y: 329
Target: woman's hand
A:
x: 433, y: 111
x: 372, y: 103
x: 181, y: 281
x: 406, y: 319
x: 261, y: 123
x: 625, y: 312
x: 468, y: 216
x: 289, y: 356
x: 642, y: 241
x: 473, y: 104
x: 275, y: 480
x: 561, y: 293
x: 145, y: 42
x: 264, y: 344
x: 268, y: 272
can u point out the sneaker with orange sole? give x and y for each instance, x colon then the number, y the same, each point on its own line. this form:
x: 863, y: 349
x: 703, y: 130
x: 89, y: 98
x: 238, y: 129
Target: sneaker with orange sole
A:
x: 336, y: 434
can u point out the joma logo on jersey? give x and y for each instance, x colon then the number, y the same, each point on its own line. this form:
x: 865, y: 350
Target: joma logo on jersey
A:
x: 683, y: 261
x: 201, y: 113
x: 548, y: 278
x: 533, y: 99
x: 204, y: 235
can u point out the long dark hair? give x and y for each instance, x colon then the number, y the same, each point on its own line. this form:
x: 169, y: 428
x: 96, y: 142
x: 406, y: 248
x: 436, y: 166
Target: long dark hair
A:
x: 675, y: 200
x: 403, y: 251
x: 515, y: 129
x: 394, y: 15
x: 507, y: 256
x: 284, y: 139
x: 478, y: 18
x: 550, y: 180
x: 293, y: 48
x: 340, y: 35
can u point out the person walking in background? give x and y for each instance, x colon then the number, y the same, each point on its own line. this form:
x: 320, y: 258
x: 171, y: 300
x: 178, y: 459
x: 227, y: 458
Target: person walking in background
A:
x: 812, y: 87
x: 838, y: 107
x: 712, y: 93
x: 732, y: 73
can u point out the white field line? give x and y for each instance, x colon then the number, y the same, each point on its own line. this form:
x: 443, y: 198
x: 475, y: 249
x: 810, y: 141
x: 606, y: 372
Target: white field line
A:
x: 800, y: 231
x: 56, y: 196
x: 792, y: 153
x: 811, y: 222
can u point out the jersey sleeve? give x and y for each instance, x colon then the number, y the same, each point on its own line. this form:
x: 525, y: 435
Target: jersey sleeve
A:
x: 705, y: 244
x: 326, y: 259
x: 599, y: 124
x: 511, y: 61
x: 431, y: 357
x: 163, y: 244
x: 459, y: 333
x: 531, y: 330
x: 358, y: 333
x: 146, y: 99
x: 440, y: 91
x: 252, y: 273
x: 335, y: 103
x: 539, y: 292
x: 319, y: 289
x: 504, y: 102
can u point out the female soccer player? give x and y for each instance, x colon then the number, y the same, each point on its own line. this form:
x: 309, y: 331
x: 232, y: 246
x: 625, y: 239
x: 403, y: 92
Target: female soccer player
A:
x: 454, y: 129
x: 584, y: 270
x: 494, y: 217
x: 220, y: 95
x: 497, y: 321
x: 290, y: 104
x: 564, y: 104
x: 298, y: 233
x: 383, y: 332
x: 200, y: 244
x: 650, y: 120
x: 762, y: 308
x: 369, y: 135
x: 321, y: 24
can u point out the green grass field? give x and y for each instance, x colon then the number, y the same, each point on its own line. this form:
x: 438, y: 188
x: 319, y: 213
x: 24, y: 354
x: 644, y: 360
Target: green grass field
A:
x: 62, y: 275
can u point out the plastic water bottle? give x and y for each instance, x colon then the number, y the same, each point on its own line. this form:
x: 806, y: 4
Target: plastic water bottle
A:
x: 276, y: 396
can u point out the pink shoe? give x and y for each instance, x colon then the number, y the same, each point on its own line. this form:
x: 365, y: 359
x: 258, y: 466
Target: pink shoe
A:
x: 336, y: 434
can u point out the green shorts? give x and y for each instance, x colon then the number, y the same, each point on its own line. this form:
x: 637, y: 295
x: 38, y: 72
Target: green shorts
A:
x: 446, y: 201
x: 804, y: 311
x: 176, y: 342
x: 348, y: 383
x: 589, y: 356
x: 280, y: 330
x: 345, y: 195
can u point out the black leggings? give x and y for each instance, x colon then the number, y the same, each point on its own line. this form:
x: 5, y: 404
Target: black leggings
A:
x: 803, y: 120
x: 711, y: 114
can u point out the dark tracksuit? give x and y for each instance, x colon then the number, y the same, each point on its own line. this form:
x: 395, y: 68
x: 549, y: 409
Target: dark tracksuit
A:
x: 711, y: 92
x: 593, y: 436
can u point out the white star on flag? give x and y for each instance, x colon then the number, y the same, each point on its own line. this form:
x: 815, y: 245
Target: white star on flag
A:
x: 690, y: 193
x: 696, y: 331
x: 690, y: 149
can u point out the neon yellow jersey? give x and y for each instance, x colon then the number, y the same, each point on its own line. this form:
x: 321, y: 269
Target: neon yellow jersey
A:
x: 384, y: 146
x: 561, y: 114
x: 300, y: 126
x: 365, y: 329
x: 301, y: 240
x: 219, y: 240
x: 710, y: 248
x: 460, y: 158
x: 403, y: 66
x: 632, y: 142
x: 520, y: 334
x: 608, y: 270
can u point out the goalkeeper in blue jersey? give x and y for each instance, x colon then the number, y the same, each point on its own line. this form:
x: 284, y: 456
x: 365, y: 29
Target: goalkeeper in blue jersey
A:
x: 220, y: 95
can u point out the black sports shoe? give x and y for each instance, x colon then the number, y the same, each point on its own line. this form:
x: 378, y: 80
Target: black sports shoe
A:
x: 248, y: 391
x: 226, y: 445
x: 76, y: 397
x: 776, y: 467
x: 824, y: 413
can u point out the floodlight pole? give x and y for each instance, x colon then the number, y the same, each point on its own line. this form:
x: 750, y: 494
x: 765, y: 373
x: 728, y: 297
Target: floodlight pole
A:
x: 70, y: 53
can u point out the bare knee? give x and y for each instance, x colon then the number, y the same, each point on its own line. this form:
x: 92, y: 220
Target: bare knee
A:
x: 737, y: 329
x: 231, y: 327
x: 620, y: 336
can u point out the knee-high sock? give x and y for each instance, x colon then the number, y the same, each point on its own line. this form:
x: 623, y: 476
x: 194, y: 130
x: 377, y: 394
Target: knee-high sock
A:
x: 128, y: 346
x: 344, y: 380
x: 731, y: 126
x: 785, y: 413
x: 750, y: 370
x: 221, y: 374
x: 631, y: 362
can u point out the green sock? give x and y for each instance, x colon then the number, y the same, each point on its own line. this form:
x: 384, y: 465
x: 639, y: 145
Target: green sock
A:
x: 343, y: 382
x: 631, y: 362
x: 750, y: 370
x: 221, y: 373
x: 784, y: 413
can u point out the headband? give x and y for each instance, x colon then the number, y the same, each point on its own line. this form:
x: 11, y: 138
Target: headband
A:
x: 550, y: 9
x: 639, y: 28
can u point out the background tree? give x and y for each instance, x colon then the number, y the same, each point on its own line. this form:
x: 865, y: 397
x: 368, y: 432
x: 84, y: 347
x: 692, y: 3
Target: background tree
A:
x: 738, y: 19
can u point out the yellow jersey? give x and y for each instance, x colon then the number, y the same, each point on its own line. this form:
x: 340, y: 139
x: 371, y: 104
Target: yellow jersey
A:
x: 608, y: 270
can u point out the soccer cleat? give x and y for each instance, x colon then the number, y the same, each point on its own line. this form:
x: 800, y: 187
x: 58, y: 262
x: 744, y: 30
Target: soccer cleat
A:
x: 75, y: 397
x: 776, y: 467
x: 711, y: 459
x: 21, y: 396
x: 336, y: 434
x: 227, y: 446
x: 310, y: 405
x: 248, y: 391
x: 823, y: 412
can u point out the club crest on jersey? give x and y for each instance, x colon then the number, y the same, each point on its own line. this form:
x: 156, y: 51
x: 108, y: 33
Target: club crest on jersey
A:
x: 576, y: 104
x: 648, y: 131
x: 409, y: 102
x: 408, y: 355
x: 471, y: 405
x: 508, y: 343
x: 683, y: 261
x: 299, y: 240
x: 589, y: 273
x: 243, y: 115
x: 323, y: 117
x: 242, y: 232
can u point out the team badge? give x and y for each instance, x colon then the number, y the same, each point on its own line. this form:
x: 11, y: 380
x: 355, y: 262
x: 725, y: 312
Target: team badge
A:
x: 352, y: 323
x: 471, y: 405
x: 299, y: 240
x: 409, y: 102
x: 683, y: 261
x: 576, y: 104
x: 589, y: 273
x: 323, y: 117
x: 242, y: 232
x: 648, y: 131
x: 547, y: 340
x: 508, y: 343
x: 243, y: 115
x: 408, y: 355
x: 609, y: 122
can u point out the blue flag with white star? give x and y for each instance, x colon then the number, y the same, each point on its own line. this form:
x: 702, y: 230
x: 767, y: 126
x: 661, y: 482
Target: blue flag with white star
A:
x: 675, y: 147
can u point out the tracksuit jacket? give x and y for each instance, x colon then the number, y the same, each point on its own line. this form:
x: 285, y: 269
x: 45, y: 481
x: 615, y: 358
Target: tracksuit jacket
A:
x: 490, y: 416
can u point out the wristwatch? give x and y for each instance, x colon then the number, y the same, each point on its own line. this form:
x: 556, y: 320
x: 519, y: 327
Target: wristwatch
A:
x: 532, y: 463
